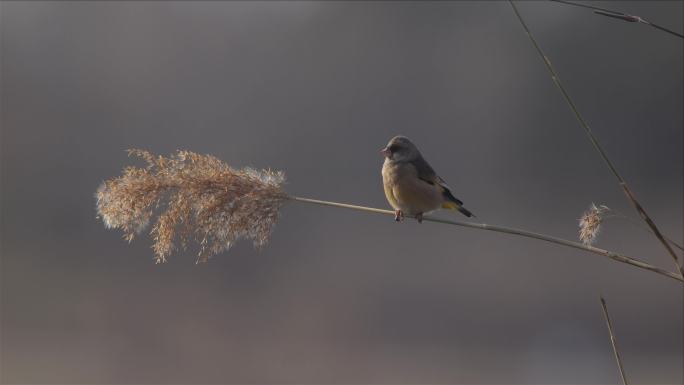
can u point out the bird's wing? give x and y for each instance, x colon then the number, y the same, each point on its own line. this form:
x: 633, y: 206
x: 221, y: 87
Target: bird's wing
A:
x: 427, y: 174
x: 448, y: 194
x: 424, y: 171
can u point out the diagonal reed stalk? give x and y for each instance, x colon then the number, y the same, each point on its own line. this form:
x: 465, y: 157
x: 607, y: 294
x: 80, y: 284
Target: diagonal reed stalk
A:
x: 613, y: 341
x: 618, y: 215
x: 620, y: 16
x: 595, y: 143
x: 507, y: 230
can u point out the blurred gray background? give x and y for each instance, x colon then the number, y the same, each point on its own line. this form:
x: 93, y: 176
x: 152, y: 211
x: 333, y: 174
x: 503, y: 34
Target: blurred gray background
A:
x: 315, y: 89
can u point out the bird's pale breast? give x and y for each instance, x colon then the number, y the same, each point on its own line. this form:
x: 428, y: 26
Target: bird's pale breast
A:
x: 406, y: 192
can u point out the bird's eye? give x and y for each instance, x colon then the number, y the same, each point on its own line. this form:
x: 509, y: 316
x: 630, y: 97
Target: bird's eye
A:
x: 393, y: 148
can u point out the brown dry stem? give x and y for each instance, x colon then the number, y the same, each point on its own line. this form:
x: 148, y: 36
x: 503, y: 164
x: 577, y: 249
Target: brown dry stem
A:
x: 595, y: 143
x: 613, y: 342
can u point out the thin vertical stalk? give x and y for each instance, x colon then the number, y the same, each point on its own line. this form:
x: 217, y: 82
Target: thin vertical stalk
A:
x: 595, y: 143
x: 613, y: 342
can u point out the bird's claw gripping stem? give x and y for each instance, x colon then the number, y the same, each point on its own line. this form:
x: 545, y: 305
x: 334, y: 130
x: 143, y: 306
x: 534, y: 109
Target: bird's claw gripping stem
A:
x: 398, y: 215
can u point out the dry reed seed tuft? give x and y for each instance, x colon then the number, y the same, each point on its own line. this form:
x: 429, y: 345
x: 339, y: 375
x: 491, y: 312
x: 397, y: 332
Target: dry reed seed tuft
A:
x: 197, y: 197
x: 590, y: 223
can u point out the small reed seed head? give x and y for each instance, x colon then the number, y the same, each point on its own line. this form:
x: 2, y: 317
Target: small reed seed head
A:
x: 590, y: 223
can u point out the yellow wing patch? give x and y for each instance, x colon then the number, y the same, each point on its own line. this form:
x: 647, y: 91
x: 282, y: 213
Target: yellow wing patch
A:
x: 450, y: 206
x: 447, y: 205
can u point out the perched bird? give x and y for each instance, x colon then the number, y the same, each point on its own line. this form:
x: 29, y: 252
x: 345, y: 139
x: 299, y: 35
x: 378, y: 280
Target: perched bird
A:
x: 411, y: 186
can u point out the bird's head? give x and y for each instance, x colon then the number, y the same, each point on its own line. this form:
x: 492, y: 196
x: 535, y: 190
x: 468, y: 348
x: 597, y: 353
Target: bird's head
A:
x: 400, y: 149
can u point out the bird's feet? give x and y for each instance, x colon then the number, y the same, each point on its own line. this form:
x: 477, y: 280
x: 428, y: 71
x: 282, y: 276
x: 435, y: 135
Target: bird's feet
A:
x: 398, y: 215
x: 419, y: 217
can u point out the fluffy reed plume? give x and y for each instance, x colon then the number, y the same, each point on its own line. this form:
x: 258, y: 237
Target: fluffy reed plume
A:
x: 196, y: 197
x: 590, y: 223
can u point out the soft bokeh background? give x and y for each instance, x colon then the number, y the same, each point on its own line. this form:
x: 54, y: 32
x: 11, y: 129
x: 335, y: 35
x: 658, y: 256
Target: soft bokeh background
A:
x: 315, y: 89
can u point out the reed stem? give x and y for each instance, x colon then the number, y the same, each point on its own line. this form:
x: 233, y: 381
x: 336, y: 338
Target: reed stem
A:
x: 620, y: 15
x: 613, y: 342
x: 640, y: 225
x: 507, y: 230
x: 594, y: 141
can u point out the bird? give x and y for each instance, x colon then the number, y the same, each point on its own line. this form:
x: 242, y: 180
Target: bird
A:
x: 411, y: 186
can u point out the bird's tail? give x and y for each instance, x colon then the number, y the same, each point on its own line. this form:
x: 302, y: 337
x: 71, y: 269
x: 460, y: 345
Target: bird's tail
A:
x: 455, y: 206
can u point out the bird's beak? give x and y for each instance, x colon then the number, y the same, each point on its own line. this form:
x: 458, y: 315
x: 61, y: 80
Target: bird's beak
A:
x: 386, y: 152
